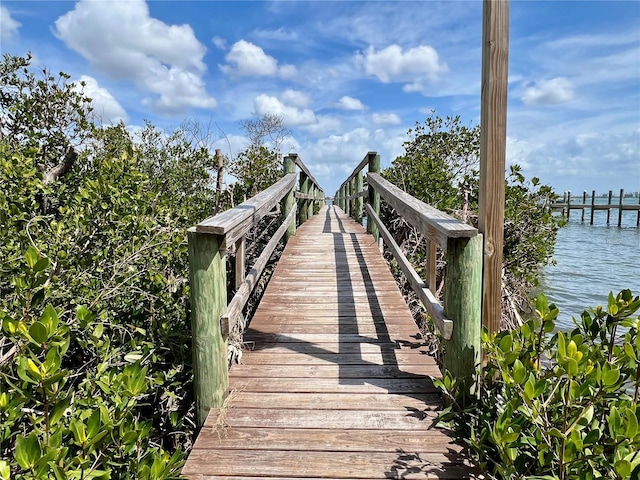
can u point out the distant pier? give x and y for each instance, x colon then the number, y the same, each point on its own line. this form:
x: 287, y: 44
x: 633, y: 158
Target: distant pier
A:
x: 589, y: 203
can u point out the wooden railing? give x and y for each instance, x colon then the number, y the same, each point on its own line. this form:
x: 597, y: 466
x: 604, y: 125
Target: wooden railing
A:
x: 566, y: 206
x: 459, y: 320
x: 211, y: 317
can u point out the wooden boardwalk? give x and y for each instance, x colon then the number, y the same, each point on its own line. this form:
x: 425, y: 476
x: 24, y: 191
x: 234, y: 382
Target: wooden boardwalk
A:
x: 337, y: 384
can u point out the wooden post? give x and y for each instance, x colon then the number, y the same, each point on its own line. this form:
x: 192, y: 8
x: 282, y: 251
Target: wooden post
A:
x: 493, y: 138
x: 289, y: 201
x: 348, y: 193
x: 620, y: 207
x: 463, y: 305
x: 312, y: 191
x: 208, y: 285
x: 431, y: 265
x: 609, y: 206
x: 568, y: 204
x: 584, y: 202
x: 360, y: 200
x: 374, y: 197
x: 219, y: 179
x: 240, y: 262
x: 638, y: 217
x: 304, y: 188
x: 593, y: 203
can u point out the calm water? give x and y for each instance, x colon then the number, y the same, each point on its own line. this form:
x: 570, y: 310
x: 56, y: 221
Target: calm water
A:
x: 593, y: 260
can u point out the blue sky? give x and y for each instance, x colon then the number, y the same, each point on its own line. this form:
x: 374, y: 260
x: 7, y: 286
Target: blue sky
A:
x: 349, y: 77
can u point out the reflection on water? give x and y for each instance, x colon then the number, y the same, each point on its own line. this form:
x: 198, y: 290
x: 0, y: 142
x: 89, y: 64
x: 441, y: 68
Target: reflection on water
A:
x: 592, y: 260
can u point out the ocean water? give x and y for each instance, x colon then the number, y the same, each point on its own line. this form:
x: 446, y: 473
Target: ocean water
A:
x: 593, y: 260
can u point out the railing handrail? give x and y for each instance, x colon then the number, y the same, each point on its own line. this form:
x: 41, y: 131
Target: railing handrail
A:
x: 298, y: 161
x: 363, y: 163
x: 435, y: 224
x: 237, y: 221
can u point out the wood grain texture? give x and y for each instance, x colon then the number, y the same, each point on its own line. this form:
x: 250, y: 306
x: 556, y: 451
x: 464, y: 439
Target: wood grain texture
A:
x: 335, y: 379
x: 493, y: 141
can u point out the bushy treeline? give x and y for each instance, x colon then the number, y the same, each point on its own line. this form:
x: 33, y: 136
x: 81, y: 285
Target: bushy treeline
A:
x: 440, y: 166
x: 95, y: 369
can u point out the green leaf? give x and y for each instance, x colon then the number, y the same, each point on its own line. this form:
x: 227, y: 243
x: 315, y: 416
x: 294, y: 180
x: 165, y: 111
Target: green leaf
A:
x: 519, y: 372
x: 31, y: 256
x: 610, y: 377
x: 133, y: 357
x: 59, y: 408
x: 27, y: 451
x: 38, y: 332
x: 41, y: 265
x: 542, y: 305
x: 623, y: 468
x: 49, y: 319
x: 632, y: 424
x: 5, y: 470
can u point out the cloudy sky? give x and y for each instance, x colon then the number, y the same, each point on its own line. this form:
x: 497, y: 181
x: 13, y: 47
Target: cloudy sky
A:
x: 349, y: 77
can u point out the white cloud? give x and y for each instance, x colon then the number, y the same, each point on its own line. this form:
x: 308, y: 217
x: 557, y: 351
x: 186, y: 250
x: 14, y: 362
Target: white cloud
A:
x: 416, y: 66
x: 246, y: 59
x: 295, y: 98
x: 122, y: 40
x: 549, y: 92
x: 105, y: 106
x: 8, y: 26
x: 286, y: 106
x: 325, y: 124
x: 219, y: 42
x: 350, y: 103
x: 385, y: 119
x: 281, y: 34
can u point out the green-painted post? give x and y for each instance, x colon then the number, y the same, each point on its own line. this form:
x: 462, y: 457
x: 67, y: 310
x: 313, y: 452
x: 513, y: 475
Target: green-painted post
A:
x: 303, y: 204
x: 208, y: 286
x: 374, y: 197
x: 311, y: 203
x: 360, y: 200
x: 289, y: 201
x: 463, y: 305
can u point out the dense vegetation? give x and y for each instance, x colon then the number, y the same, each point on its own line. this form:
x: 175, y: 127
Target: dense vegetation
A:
x: 440, y: 167
x: 95, y: 369
x: 557, y: 405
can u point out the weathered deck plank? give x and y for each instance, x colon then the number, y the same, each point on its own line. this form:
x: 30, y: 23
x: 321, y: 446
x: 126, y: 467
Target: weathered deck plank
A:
x: 337, y: 382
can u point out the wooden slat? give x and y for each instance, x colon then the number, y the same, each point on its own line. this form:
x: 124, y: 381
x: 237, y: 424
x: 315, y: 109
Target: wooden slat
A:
x: 335, y: 381
x: 312, y: 464
x: 335, y: 401
x: 301, y: 439
x: 436, y: 225
x: 303, y: 167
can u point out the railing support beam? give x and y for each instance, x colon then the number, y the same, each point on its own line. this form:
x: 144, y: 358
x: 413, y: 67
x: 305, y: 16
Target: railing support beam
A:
x: 374, y: 196
x: 463, y: 305
x: 208, y: 282
x: 289, y: 200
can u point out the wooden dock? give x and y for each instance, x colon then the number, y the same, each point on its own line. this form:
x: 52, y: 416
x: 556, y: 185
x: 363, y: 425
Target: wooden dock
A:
x: 336, y: 384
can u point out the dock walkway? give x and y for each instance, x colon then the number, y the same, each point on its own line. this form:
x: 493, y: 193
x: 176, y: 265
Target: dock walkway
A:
x: 336, y: 384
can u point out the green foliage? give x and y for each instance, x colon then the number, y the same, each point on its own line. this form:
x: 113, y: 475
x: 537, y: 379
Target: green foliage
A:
x: 99, y: 287
x: 440, y: 167
x: 45, y: 112
x: 560, y: 405
x: 439, y: 158
x: 93, y: 288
